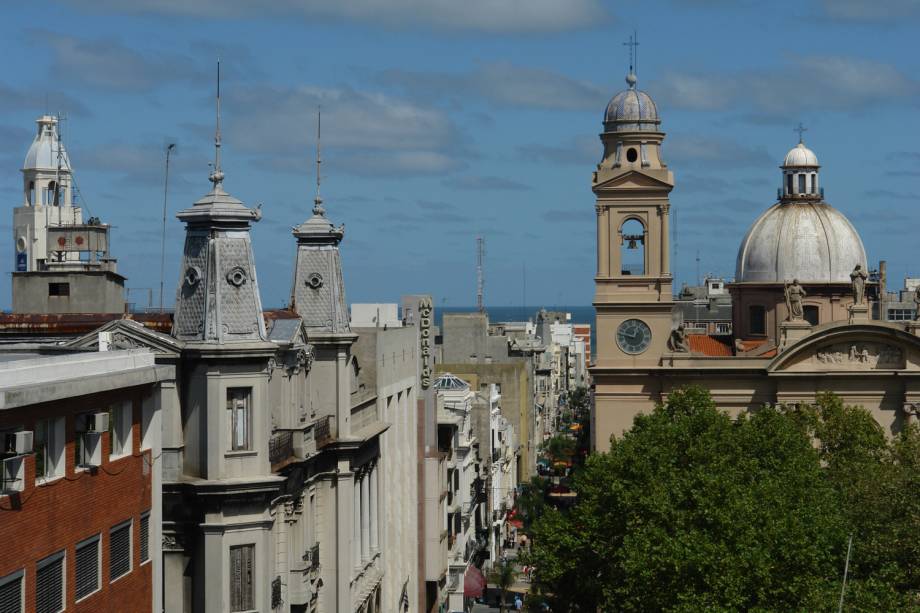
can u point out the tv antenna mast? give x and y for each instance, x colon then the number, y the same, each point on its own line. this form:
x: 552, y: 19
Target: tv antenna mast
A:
x: 480, y: 253
x: 169, y: 149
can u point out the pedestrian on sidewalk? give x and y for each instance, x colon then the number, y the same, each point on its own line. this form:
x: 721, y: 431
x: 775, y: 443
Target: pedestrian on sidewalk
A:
x: 518, y: 603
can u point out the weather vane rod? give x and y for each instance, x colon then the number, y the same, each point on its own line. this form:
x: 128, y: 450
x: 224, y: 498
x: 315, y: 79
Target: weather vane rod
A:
x: 217, y: 176
x: 318, y: 200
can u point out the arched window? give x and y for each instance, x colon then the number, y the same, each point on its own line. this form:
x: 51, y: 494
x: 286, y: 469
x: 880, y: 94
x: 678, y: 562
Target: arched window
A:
x: 802, y: 184
x: 631, y: 155
x: 53, y: 193
x: 811, y: 314
x: 789, y: 185
x: 31, y: 193
x: 757, y: 319
x: 632, y: 247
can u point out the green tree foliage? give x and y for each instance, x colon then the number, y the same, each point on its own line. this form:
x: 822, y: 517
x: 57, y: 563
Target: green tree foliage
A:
x: 692, y: 510
x: 559, y: 448
x: 531, y: 501
x: 502, y: 576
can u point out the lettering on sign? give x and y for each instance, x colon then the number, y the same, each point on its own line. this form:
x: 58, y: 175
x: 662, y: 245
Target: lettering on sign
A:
x: 425, y: 311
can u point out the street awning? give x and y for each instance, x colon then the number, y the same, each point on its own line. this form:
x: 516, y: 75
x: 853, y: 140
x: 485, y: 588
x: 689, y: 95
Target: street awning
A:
x: 474, y: 583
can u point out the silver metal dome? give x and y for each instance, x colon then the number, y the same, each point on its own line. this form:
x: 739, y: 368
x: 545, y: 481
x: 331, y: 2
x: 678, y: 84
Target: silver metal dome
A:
x: 808, y: 241
x: 631, y: 110
x: 43, y: 153
x: 801, y: 156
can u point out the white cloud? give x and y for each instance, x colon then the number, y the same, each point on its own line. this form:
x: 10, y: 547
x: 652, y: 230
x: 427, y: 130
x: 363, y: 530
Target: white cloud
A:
x: 477, y: 15
x: 484, y: 183
x: 109, y: 64
x: 703, y: 150
x: 578, y: 151
x: 871, y: 10
x: 818, y: 82
x: 364, y: 133
x: 501, y: 83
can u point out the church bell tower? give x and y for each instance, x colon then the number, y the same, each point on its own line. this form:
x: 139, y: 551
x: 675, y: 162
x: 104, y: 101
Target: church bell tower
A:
x: 633, y: 287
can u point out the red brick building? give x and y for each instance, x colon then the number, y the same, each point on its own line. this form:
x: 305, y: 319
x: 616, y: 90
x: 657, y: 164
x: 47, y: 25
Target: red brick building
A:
x: 80, y: 501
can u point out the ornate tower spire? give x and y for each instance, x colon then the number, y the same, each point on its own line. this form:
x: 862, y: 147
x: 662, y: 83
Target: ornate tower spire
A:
x: 318, y: 295
x: 218, y: 296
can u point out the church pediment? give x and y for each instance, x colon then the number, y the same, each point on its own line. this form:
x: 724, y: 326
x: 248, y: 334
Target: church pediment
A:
x: 128, y: 334
x: 851, y: 348
x: 633, y: 179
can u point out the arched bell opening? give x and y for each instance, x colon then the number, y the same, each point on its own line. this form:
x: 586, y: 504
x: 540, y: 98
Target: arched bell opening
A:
x: 632, y: 247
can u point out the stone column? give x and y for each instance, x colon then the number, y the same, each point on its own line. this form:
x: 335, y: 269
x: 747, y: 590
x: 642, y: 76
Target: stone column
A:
x: 365, y: 517
x: 375, y: 507
x: 665, y: 240
x: 603, y: 242
x: 356, y: 536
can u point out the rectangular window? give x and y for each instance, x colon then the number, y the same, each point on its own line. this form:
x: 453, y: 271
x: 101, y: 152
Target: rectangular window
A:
x: 87, y: 567
x: 239, y: 400
x: 901, y: 314
x: 145, y: 537
x: 120, y: 551
x: 242, y: 592
x: 11, y: 593
x: 120, y: 418
x: 49, y: 584
x: 48, y: 444
x: 59, y: 289
x: 757, y: 321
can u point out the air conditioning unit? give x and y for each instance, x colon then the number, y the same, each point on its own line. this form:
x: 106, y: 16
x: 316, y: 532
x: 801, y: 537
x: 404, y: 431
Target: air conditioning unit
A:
x: 98, y: 422
x: 18, y: 443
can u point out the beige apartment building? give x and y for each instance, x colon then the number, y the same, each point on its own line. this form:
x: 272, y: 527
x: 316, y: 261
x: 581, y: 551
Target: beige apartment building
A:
x: 801, y: 299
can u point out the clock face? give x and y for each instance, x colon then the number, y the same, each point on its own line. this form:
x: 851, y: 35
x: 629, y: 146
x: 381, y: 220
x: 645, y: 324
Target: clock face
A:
x: 634, y: 336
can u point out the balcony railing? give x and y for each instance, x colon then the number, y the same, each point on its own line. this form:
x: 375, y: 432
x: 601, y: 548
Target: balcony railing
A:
x: 311, y: 556
x: 325, y: 432
x: 280, y: 449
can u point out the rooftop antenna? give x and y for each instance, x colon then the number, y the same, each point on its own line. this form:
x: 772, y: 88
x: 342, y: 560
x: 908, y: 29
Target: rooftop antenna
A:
x: 169, y: 150
x: 480, y: 252
x: 801, y: 130
x: 57, y: 174
x: 217, y: 175
x: 318, y: 200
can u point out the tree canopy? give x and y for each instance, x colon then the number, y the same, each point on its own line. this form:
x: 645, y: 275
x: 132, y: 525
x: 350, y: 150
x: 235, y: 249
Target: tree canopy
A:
x: 692, y: 510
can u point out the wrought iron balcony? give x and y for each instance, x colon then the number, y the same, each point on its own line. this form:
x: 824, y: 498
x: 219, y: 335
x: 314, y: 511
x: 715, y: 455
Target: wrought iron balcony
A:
x: 280, y: 449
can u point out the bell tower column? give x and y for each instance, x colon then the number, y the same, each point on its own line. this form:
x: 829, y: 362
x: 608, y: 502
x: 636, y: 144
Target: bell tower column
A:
x: 633, y: 287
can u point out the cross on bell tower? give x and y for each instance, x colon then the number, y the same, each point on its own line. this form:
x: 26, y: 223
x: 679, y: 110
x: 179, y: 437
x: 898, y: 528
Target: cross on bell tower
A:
x: 633, y: 44
x: 801, y: 130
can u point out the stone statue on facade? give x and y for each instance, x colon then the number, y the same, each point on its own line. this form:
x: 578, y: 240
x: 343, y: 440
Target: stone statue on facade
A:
x: 795, y: 296
x: 677, y: 342
x: 858, y: 279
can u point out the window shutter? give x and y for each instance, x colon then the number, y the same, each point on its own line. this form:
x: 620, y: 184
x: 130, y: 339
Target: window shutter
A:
x: 87, y: 569
x: 145, y: 538
x: 119, y: 551
x: 49, y: 590
x: 11, y: 596
x: 242, y: 597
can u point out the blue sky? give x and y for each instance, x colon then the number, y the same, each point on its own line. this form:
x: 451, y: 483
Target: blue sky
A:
x: 444, y: 120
